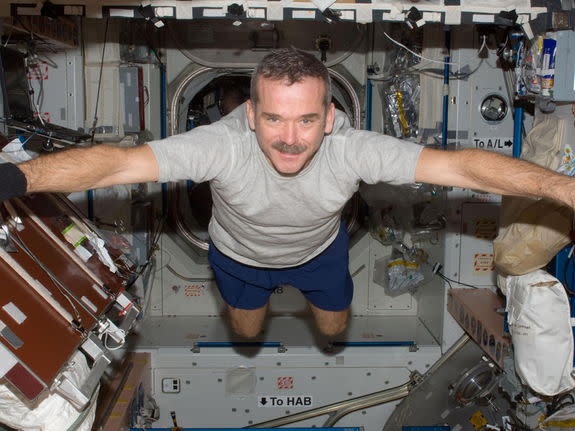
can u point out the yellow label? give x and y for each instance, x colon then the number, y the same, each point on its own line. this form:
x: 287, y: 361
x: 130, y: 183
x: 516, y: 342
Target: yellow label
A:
x: 403, y: 263
x: 478, y: 420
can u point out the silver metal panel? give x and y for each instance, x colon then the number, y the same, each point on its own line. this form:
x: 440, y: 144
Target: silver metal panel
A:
x: 433, y: 401
x: 298, y: 372
x: 467, y: 94
x: 129, y: 81
x: 466, y: 207
x: 564, y: 84
x: 181, y: 331
x: 75, y: 89
x: 213, y: 404
x: 57, y: 82
x: 430, y: 295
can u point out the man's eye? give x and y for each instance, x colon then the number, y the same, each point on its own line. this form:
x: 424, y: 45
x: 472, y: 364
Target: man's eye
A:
x: 306, y: 121
x: 272, y: 119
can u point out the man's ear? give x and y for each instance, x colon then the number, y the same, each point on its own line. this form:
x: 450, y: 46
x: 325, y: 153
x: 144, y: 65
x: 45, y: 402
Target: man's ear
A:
x: 250, y: 111
x: 329, y: 119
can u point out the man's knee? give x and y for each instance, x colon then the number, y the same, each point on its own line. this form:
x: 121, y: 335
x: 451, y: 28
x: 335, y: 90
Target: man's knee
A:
x: 244, y: 330
x: 332, y: 328
x: 247, y: 323
x: 330, y: 323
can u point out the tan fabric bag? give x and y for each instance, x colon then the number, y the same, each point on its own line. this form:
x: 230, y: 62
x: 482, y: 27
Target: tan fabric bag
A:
x: 533, y: 231
x: 537, y: 234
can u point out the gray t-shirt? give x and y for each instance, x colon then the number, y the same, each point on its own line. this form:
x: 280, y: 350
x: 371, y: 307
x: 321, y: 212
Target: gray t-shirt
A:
x: 263, y: 219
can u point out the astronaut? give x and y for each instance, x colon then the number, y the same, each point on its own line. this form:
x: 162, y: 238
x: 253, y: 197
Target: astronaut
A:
x: 281, y: 167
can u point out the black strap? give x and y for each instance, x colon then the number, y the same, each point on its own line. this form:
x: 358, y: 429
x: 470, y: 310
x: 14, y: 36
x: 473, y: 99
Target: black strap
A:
x: 13, y: 182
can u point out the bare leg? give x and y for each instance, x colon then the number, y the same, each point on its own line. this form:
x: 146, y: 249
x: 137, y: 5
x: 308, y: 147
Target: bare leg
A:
x: 330, y: 322
x: 247, y: 323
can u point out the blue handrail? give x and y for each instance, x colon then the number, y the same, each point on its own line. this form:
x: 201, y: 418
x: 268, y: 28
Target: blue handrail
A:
x: 238, y: 344
x: 373, y: 343
x: 163, y: 128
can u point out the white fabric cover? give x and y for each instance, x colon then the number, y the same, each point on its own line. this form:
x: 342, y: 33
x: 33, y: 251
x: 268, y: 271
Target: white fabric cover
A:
x: 540, y: 326
x: 53, y: 413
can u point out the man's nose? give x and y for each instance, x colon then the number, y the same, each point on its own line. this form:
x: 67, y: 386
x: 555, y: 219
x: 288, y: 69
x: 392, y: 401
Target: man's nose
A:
x: 289, y: 134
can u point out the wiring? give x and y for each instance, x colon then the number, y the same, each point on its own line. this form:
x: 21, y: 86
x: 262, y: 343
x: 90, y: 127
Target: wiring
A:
x: 124, y: 270
x: 151, y: 46
x: 436, y: 269
x: 445, y: 279
x: 105, y: 337
x: 452, y: 75
x: 149, y: 263
x: 372, y: 43
x: 416, y: 54
x: 155, y: 238
x: 146, y: 95
x: 61, y: 288
x: 9, y: 34
x: 455, y: 281
x: 31, y: 91
x: 437, y: 72
x: 483, y: 43
x: 33, y: 36
x: 47, y: 60
x: 558, y: 402
x: 462, y: 75
x: 177, y: 274
x: 100, y: 80
x: 40, y: 97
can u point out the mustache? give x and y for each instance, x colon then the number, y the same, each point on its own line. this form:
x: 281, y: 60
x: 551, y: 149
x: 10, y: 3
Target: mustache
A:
x: 289, y: 149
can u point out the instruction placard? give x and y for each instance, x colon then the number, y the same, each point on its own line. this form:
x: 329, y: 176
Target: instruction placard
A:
x: 485, y: 228
x: 483, y: 263
x: 498, y: 144
x: 285, y: 401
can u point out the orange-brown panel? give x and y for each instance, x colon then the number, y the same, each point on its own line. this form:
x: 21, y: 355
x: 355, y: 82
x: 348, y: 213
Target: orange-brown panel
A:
x: 48, y: 339
x: 69, y: 273
x: 49, y: 297
x: 57, y: 219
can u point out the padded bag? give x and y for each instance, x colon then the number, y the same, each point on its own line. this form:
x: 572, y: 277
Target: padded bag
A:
x: 534, y: 237
x: 540, y: 326
x: 532, y: 231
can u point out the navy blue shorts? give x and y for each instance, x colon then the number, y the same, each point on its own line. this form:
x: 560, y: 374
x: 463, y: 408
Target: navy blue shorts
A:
x: 325, y: 280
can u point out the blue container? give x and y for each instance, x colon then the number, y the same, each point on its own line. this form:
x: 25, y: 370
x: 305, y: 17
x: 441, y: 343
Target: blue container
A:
x: 442, y: 428
x: 548, y: 66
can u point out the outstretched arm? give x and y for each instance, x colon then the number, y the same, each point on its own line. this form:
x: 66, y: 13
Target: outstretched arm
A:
x: 89, y: 168
x: 494, y: 173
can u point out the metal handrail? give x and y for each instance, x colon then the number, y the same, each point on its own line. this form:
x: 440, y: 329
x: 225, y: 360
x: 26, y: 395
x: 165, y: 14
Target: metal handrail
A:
x: 340, y: 409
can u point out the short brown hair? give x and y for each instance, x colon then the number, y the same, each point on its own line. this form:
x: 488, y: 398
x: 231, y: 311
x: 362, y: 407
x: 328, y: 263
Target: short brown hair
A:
x: 291, y: 65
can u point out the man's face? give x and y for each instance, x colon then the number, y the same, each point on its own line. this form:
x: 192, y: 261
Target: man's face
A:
x: 290, y: 121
